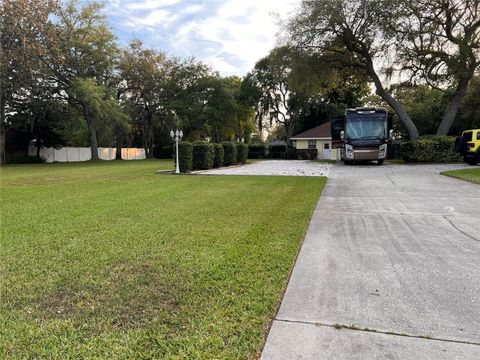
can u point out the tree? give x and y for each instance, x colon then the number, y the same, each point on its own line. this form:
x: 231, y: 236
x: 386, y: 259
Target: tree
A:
x: 352, y: 33
x: 277, y: 99
x: 186, y: 95
x: 291, y: 83
x: 439, y: 43
x: 347, y: 89
x: 24, y: 25
x: 81, y: 59
x: 425, y: 105
x: 143, y: 77
x: 468, y: 117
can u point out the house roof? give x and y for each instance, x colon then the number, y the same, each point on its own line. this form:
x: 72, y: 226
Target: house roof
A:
x: 320, y: 131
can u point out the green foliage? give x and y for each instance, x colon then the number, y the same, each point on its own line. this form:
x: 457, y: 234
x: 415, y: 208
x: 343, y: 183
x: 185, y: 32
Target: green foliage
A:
x: 163, y: 152
x: 430, y: 149
x: 257, y: 151
x: 424, y: 105
x: 302, y: 154
x: 202, y: 155
x: 185, y: 158
x: 277, y: 151
x: 242, y: 152
x: 291, y: 154
x: 230, y: 153
x: 468, y: 116
x: 24, y: 160
x: 218, y: 155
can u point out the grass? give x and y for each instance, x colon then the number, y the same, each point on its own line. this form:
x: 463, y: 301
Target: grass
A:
x: 394, y: 161
x: 472, y: 175
x: 110, y: 260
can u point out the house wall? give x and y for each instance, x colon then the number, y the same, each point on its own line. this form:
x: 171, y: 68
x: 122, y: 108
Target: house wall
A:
x: 303, y: 144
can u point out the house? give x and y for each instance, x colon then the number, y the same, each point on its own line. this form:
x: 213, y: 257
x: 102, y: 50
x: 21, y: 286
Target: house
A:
x: 319, y: 138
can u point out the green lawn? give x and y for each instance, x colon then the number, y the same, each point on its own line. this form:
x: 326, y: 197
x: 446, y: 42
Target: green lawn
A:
x: 109, y: 259
x: 472, y: 174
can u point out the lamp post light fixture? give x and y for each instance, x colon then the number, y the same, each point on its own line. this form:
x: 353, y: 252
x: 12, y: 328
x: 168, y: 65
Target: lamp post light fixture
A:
x: 176, y: 136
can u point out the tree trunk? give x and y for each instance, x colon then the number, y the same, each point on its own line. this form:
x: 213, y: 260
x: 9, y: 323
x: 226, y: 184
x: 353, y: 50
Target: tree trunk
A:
x: 38, y: 143
x: 3, y: 134
x: 146, y: 133
x: 92, y: 130
x: 150, y: 148
x: 119, y: 140
x: 396, y: 106
x: 454, y: 105
x: 3, y: 129
x: 289, y: 133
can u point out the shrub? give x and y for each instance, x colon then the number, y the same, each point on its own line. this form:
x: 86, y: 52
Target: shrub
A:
x: 218, y: 155
x: 242, y: 152
x: 163, y: 152
x: 258, y: 151
x: 202, y: 155
x: 291, y: 154
x: 276, y: 151
x: 230, y: 153
x: 307, y: 154
x: 185, y: 156
x: 301, y: 154
x: 430, y: 149
x: 24, y: 159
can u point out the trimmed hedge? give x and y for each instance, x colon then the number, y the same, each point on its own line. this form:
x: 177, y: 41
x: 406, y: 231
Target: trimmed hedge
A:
x: 430, y: 149
x: 202, y: 155
x: 291, y: 154
x: 258, y: 151
x: 277, y: 151
x: 306, y: 154
x: 185, y: 156
x: 301, y: 154
x: 24, y: 159
x: 230, y: 153
x: 218, y: 155
x: 242, y: 152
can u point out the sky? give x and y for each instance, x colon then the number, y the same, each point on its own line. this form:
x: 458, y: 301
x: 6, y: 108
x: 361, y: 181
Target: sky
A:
x: 228, y: 35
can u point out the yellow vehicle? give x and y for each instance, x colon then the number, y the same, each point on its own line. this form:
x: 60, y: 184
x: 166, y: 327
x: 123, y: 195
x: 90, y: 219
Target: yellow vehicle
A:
x: 468, y: 145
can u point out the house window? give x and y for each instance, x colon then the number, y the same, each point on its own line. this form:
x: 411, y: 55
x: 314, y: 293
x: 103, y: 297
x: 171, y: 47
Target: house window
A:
x: 326, y: 146
x: 312, y: 144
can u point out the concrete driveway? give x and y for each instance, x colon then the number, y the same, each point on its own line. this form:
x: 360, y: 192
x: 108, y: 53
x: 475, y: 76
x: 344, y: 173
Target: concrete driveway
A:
x: 389, y: 269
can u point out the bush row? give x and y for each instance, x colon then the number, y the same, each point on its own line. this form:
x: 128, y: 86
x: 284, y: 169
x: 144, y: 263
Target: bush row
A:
x: 302, y: 154
x: 262, y: 151
x: 202, y: 155
x: 279, y: 152
x: 430, y: 149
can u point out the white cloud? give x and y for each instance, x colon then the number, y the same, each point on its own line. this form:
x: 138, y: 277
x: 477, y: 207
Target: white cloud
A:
x: 229, y: 35
x: 154, y: 18
x: 244, y: 30
x: 149, y: 4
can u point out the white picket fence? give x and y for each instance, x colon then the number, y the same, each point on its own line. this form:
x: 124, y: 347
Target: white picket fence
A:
x: 73, y: 154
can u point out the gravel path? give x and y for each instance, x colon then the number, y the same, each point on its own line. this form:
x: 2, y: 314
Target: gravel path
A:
x: 275, y: 167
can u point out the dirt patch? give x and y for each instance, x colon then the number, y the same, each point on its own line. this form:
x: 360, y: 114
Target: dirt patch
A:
x: 129, y: 295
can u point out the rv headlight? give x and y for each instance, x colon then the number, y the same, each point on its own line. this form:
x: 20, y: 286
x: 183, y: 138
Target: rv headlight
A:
x: 382, y: 151
x: 349, y: 151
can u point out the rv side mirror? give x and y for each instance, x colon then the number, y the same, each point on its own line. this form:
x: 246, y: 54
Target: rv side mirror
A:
x: 390, y: 133
x: 342, y: 134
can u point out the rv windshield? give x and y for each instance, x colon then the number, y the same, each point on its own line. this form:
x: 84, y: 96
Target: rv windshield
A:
x: 366, y: 126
